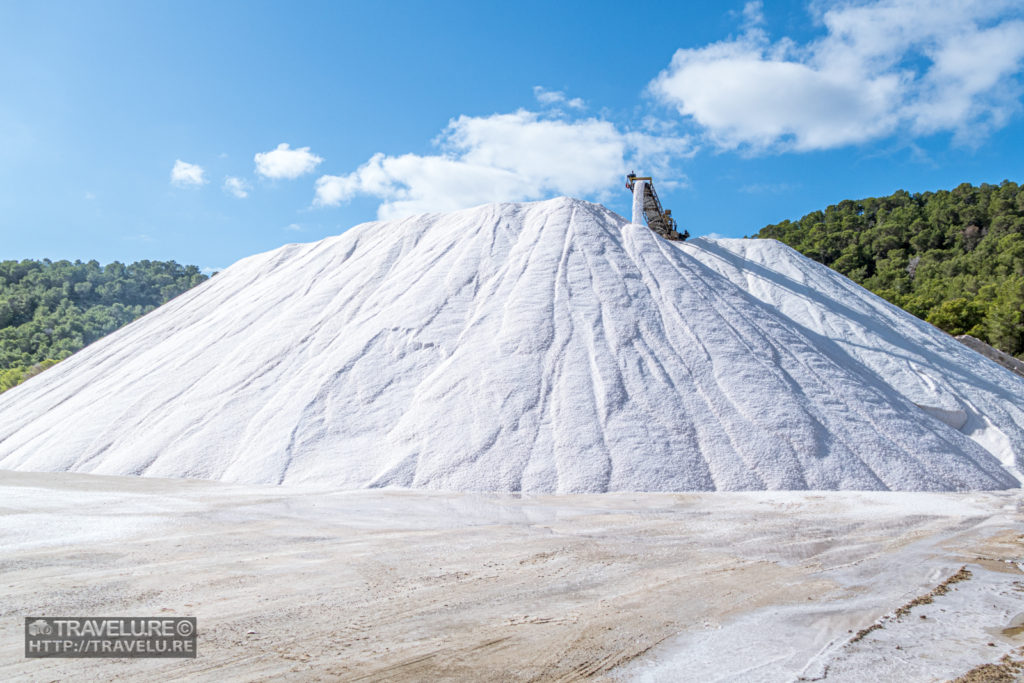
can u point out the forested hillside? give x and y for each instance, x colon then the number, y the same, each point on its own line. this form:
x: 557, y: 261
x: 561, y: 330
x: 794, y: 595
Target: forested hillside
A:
x: 954, y: 258
x: 49, y: 310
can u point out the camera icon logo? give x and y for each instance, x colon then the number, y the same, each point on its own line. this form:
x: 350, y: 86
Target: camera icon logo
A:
x: 40, y: 627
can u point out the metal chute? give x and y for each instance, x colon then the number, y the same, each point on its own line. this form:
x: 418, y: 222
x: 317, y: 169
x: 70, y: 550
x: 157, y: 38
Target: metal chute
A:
x: 658, y: 219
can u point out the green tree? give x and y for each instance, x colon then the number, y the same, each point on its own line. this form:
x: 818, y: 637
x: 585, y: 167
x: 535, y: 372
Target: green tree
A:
x: 49, y: 310
x: 958, y: 316
x: 1005, y: 320
x: 951, y: 257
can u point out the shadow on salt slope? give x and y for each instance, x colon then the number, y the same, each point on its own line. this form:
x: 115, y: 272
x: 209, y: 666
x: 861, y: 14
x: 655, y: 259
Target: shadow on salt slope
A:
x: 912, y: 355
x: 684, y: 262
x: 940, y: 363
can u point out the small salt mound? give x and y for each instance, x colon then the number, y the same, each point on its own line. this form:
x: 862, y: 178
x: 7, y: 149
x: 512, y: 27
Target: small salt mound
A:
x: 547, y: 347
x: 944, y: 378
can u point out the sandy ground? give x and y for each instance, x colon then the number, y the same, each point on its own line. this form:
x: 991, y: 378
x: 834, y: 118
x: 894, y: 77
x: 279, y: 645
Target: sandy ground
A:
x: 307, y: 584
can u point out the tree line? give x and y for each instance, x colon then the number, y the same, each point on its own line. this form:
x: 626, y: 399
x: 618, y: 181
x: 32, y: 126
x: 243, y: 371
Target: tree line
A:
x: 50, y: 309
x: 954, y: 258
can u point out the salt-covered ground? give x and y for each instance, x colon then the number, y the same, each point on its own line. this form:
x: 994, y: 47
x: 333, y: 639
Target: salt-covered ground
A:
x: 313, y: 584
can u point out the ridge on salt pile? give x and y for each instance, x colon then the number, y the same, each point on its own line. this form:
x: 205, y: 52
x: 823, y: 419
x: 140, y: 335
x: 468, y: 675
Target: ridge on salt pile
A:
x: 851, y: 325
x: 550, y: 346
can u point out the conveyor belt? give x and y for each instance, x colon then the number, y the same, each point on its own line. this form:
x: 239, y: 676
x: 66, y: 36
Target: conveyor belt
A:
x: 658, y: 219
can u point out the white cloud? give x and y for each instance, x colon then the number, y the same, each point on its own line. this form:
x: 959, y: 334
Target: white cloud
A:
x: 506, y: 157
x: 236, y: 187
x: 922, y: 66
x: 284, y: 162
x: 293, y: 227
x: 185, y: 174
x: 554, y: 98
x: 753, y: 14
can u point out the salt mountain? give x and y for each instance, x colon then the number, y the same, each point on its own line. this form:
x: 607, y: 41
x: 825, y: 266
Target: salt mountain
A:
x: 551, y: 346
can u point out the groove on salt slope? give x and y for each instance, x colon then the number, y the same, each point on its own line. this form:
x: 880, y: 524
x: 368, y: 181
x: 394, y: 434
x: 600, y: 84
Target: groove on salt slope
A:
x: 754, y: 270
x: 563, y: 278
x: 493, y: 282
x: 319, y: 394
x: 919, y: 465
x: 600, y: 347
x: 391, y: 257
x: 711, y: 406
x: 707, y: 465
x: 541, y: 405
x: 812, y: 428
x: 724, y: 424
x: 542, y: 401
x: 552, y: 366
x: 488, y: 287
x: 639, y: 340
x: 642, y: 343
x: 868, y: 343
x: 314, y: 405
x: 780, y: 374
x: 716, y: 250
x: 601, y: 399
x: 465, y: 246
x: 943, y: 350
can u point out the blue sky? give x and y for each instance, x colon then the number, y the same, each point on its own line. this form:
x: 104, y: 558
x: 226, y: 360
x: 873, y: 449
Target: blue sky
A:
x: 207, y: 131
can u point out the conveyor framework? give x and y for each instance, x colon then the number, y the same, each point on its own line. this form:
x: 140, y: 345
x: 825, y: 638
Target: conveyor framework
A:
x: 659, y: 220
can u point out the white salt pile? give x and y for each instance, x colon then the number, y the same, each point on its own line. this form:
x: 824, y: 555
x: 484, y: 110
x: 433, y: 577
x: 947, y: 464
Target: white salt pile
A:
x: 550, y: 346
x: 852, y: 326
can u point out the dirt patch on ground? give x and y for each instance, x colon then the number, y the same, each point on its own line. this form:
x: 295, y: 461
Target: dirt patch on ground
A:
x: 1009, y: 669
x: 962, y: 575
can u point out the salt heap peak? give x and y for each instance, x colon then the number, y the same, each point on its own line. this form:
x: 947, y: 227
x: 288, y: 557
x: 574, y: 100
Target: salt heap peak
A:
x: 544, y: 347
